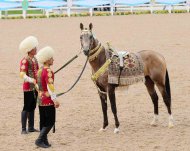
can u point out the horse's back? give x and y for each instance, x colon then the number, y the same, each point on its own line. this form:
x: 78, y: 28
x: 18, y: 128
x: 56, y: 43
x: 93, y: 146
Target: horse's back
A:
x: 153, y: 54
x: 154, y: 64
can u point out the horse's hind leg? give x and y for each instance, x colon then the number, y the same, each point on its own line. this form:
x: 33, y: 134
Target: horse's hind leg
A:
x: 152, y: 92
x: 103, y: 98
x: 111, y: 93
x: 167, y: 101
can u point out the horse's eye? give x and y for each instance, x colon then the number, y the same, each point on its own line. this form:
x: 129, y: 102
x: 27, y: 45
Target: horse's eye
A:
x: 80, y: 37
x: 91, y: 36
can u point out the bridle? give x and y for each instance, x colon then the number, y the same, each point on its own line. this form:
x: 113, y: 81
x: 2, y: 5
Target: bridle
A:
x: 92, y: 53
x: 85, y: 32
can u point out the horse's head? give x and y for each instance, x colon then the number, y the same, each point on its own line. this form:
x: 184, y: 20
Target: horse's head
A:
x: 86, y: 38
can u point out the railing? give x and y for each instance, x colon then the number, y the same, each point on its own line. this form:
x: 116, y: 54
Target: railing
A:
x: 70, y: 6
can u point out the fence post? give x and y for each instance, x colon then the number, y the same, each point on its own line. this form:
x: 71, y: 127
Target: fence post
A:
x: 112, y: 7
x: 90, y: 11
x: 170, y: 8
x: 24, y: 8
x: 47, y: 13
x: 69, y: 4
x: 24, y: 14
x: 187, y: 5
x: 151, y: 6
x: 6, y: 13
x: 131, y: 9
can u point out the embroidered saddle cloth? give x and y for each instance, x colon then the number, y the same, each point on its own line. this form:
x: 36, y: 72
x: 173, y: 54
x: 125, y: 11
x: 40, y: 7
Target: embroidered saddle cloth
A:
x: 125, y: 69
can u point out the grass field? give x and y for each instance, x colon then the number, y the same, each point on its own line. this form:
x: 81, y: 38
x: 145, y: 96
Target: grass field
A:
x: 12, y: 12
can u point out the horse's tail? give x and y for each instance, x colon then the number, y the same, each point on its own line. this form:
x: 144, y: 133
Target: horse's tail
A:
x: 167, y: 84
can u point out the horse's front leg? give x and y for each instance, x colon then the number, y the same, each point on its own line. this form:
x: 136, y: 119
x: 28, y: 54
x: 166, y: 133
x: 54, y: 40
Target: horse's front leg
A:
x: 111, y: 93
x: 103, y: 98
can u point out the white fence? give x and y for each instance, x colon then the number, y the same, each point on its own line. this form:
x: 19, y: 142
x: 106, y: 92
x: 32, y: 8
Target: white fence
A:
x: 73, y: 6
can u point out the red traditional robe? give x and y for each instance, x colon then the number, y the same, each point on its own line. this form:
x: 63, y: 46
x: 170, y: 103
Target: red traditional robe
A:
x: 45, y: 80
x: 29, y: 67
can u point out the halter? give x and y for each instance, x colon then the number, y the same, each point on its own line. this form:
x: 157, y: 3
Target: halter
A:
x: 93, y: 52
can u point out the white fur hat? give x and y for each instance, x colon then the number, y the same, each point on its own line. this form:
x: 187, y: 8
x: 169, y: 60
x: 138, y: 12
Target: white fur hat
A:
x: 45, y: 54
x: 28, y: 44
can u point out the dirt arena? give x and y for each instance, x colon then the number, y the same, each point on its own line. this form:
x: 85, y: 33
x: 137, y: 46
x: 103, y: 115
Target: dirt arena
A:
x: 80, y: 116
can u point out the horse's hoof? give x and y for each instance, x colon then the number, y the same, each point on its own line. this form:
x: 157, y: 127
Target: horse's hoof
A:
x: 116, y: 130
x: 171, y: 125
x: 102, y: 130
x: 154, y: 123
x: 171, y: 121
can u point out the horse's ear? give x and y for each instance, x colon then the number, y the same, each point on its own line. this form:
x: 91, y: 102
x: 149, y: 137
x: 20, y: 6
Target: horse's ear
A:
x: 90, y: 26
x: 81, y: 26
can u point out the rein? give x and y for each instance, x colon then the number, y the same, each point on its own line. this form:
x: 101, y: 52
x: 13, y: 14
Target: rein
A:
x: 76, y: 56
x: 59, y: 94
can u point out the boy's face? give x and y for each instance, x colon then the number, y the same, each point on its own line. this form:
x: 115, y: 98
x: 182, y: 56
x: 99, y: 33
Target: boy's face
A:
x: 33, y: 52
x: 50, y: 61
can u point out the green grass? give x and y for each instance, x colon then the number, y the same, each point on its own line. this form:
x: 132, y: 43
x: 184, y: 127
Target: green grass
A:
x: 12, y: 12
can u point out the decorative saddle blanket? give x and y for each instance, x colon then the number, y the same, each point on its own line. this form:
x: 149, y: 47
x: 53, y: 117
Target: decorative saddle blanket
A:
x: 125, y: 69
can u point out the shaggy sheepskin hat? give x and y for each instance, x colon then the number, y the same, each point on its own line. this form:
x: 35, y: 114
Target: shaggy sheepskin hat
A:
x: 28, y: 44
x: 45, y: 54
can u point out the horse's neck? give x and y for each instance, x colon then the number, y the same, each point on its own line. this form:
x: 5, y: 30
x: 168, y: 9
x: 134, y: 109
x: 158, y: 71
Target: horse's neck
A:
x: 100, y: 59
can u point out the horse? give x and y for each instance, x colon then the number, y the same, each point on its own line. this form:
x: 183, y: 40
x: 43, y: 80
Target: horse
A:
x: 155, y: 74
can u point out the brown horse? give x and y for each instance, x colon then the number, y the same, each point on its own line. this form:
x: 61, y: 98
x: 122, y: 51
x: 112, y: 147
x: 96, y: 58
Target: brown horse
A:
x: 155, y: 73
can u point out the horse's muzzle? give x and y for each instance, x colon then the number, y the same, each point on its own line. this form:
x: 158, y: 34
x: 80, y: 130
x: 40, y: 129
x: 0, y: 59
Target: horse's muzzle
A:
x: 86, y: 52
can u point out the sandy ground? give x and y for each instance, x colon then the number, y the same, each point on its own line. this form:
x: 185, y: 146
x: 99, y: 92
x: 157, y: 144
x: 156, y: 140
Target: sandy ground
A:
x: 80, y: 117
